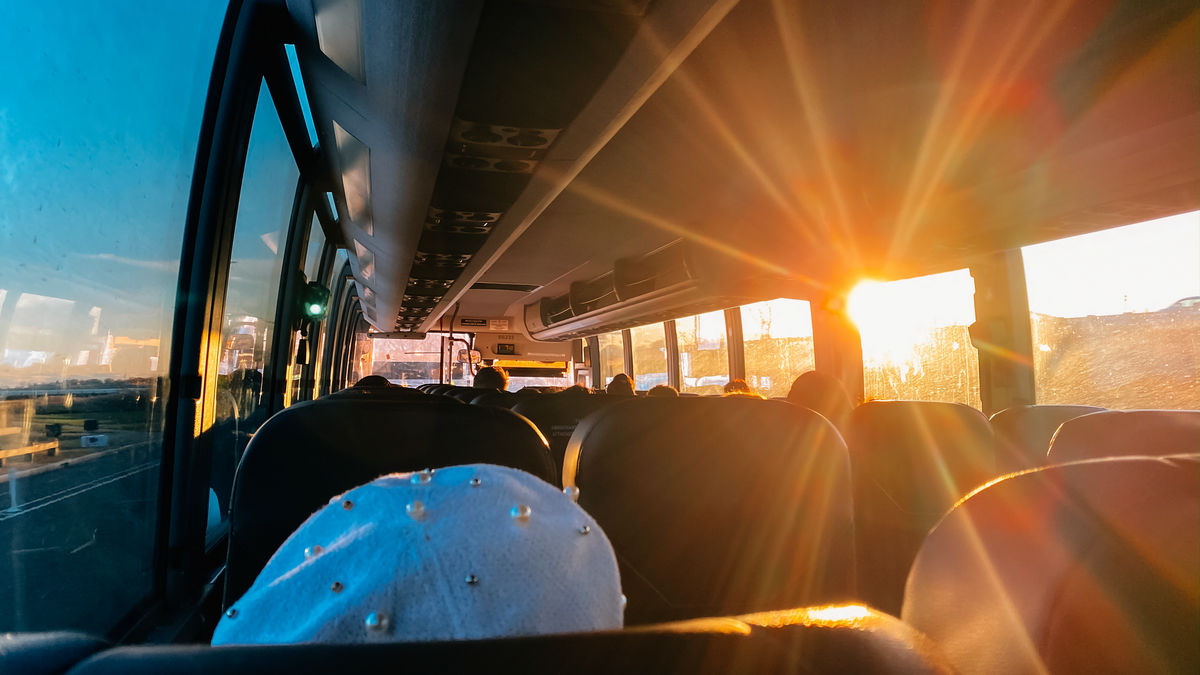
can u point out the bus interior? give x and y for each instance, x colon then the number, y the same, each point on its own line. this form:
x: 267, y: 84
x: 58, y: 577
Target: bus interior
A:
x: 980, y: 221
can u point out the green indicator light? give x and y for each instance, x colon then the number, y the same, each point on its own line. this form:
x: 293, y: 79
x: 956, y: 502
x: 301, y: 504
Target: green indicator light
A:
x: 314, y: 309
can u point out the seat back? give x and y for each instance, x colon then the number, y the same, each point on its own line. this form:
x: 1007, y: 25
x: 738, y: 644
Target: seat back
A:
x: 1023, y: 433
x: 557, y: 415
x: 912, y: 461
x: 309, y: 452
x: 1086, y: 567
x: 498, y: 399
x: 717, y: 505
x: 391, y: 393
x: 818, y: 640
x: 1114, y: 433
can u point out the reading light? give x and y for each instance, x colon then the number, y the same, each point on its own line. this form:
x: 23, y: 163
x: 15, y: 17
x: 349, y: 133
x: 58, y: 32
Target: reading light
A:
x: 314, y: 301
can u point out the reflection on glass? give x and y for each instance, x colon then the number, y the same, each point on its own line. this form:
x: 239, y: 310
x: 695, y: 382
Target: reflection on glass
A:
x: 260, y: 235
x: 408, y: 363
x: 778, y: 339
x: 1116, y: 316
x: 98, y: 130
x: 703, y: 355
x: 915, y: 341
x: 649, y: 356
x: 612, y: 357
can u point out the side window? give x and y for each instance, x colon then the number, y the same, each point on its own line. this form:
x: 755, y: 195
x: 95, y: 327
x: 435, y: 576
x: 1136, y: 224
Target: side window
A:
x: 611, y: 358
x: 251, y: 297
x: 98, y: 137
x: 309, y: 343
x: 914, y: 338
x: 703, y: 353
x: 778, y: 339
x: 1116, y: 316
x: 409, y: 363
x: 649, y: 356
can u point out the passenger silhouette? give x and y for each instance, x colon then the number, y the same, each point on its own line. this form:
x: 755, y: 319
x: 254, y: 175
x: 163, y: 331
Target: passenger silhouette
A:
x: 738, y: 385
x: 373, y: 381
x: 620, y: 385
x: 491, y: 377
x: 822, y: 393
x: 663, y: 390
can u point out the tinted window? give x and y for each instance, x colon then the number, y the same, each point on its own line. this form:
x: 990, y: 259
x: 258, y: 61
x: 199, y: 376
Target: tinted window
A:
x: 703, y: 354
x: 98, y: 129
x: 778, y: 339
x: 1116, y: 316
x: 649, y: 356
x: 914, y: 338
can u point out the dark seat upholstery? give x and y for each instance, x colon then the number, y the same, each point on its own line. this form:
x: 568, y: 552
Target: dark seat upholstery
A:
x: 312, y: 451
x: 391, y: 393
x: 45, y: 653
x: 912, y: 461
x: 464, y: 394
x: 440, y: 389
x: 1023, y: 433
x: 1114, y: 433
x: 497, y: 399
x: 1081, y: 568
x: 557, y: 415
x: 717, y: 506
x: 818, y: 640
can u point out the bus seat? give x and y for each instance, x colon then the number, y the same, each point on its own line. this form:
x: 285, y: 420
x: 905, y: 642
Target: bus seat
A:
x: 557, y: 415
x: 48, y: 653
x: 912, y: 461
x: 846, y: 638
x: 717, y: 506
x: 1113, y: 433
x: 1092, y: 566
x: 1023, y: 433
x: 312, y: 451
x: 389, y: 393
x: 464, y: 394
x: 498, y: 399
x: 439, y: 389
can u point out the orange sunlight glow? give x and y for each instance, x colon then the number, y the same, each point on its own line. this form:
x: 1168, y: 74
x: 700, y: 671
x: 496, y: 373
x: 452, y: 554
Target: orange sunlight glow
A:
x: 894, y: 317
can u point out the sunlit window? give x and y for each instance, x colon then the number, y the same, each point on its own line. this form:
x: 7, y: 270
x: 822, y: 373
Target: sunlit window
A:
x: 649, y: 356
x: 778, y: 339
x: 408, y: 363
x: 611, y: 359
x: 914, y: 338
x: 703, y: 354
x: 1116, y: 316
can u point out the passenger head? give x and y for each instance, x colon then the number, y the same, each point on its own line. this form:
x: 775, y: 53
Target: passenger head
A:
x: 461, y: 553
x: 575, y: 390
x: 620, y: 385
x: 744, y: 394
x: 664, y: 390
x: 372, y: 382
x: 822, y: 393
x: 491, y: 377
x: 737, y: 385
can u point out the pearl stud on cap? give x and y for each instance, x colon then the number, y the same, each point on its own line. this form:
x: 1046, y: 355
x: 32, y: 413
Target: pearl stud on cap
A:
x: 313, y: 550
x: 521, y: 513
x: 376, y: 621
x: 422, y: 477
x: 472, y: 580
x: 572, y: 492
x: 416, y: 509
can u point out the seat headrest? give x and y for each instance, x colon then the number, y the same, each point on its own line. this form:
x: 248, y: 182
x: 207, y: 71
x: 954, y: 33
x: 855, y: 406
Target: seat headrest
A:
x: 924, y: 455
x: 1092, y: 566
x: 389, y: 393
x: 1023, y: 433
x: 1114, y: 433
x: 312, y: 451
x: 717, y: 505
x: 557, y: 416
x: 498, y: 399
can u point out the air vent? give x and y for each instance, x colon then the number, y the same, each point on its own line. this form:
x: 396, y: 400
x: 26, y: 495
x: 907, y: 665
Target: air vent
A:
x: 488, y: 286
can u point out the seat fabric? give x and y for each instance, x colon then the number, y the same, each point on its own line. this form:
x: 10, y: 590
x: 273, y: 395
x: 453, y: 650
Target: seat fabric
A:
x: 912, y: 461
x: 557, y: 415
x: 1114, y: 433
x: 717, y: 505
x: 1086, y: 567
x: 309, y: 452
x: 1023, y: 433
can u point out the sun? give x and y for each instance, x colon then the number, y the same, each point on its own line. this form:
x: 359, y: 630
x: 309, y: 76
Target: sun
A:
x: 894, y: 317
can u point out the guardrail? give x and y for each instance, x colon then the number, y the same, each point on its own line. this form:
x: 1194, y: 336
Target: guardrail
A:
x: 49, y: 447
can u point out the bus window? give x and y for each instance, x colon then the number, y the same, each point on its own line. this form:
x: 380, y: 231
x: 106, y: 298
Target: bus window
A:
x: 312, y: 264
x: 703, y: 354
x: 778, y: 339
x: 98, y: 136
x: 612, y: 357
x: 260, y: 234
x: 1116, y: 316
x: 408, y: 363
x: 649, y: 355
x: 914, y: 338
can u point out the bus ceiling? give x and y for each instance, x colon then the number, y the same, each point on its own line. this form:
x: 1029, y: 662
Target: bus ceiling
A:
x: 534, y: 147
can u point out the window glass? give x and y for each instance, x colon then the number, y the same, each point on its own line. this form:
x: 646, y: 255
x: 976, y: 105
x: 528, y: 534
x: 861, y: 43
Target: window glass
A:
x: 259, y: 241
x: 409, y: 363
x: 612, y: 357
x: 311, y: 266
x: 703, y: 354
x: 914, y: 338
x: 98, y: 132
x: 1116, y: 316
x: 778, y: 340
x: 649, y: 356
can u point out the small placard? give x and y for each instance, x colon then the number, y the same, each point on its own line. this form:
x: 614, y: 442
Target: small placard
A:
x: 474, y: 323
x: 497, y: 324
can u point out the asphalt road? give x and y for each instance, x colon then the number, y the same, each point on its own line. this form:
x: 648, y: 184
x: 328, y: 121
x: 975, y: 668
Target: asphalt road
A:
x: 76, y: 551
